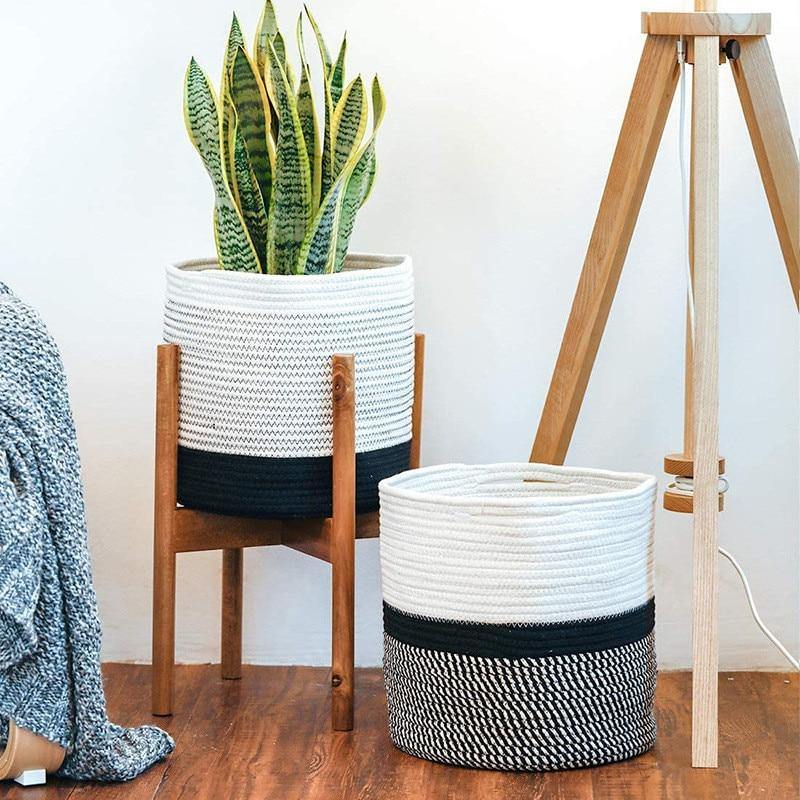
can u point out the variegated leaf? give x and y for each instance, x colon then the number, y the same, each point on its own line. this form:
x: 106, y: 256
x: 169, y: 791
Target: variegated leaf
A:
x: 337, y: 73
x: 359, y: 183
x: 265, y: 33
x: 248, y: 194
x: 290, y: 204
x: 234, y: 247
x: 318, y: 253
x: 235, y: 41
x: 323, y: 49
x: 371, y: 178
x: 252, y: 112
x: 280, y: 48
x: 308, y: 120
x: 349, y: 123
x: 378, y: 108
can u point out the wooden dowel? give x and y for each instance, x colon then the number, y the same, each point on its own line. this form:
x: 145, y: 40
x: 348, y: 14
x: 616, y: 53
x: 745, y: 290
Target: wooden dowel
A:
x: 416, y: 409
x: 705, y: 169
x: 774, y: 146
x: 231, y: 628
x: 343, y: 532
x: 166, y: 491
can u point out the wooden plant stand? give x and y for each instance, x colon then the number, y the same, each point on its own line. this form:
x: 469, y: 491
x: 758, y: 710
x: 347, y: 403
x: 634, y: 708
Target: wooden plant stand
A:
x: 712, y: 39
x: 183, y: 530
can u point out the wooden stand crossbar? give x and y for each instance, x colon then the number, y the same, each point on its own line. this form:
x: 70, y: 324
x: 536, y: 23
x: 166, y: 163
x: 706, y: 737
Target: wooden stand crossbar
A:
x: 183, y: 530
x: 711, y: 39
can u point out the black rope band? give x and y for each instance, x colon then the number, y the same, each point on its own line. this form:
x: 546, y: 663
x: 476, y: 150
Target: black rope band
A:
x: 279, y: 488
x: 520, y: 641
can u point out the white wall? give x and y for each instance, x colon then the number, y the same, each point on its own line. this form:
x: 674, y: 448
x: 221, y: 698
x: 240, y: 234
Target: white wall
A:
x: 501, y: 123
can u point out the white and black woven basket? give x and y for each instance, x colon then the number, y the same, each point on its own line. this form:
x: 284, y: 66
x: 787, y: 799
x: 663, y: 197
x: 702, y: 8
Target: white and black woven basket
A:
x: 255, y: 419
x: 518, y: 614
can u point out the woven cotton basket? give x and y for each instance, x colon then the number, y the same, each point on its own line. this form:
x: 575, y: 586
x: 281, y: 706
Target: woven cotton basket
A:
x: 518, y: 614
x: 255, y: 418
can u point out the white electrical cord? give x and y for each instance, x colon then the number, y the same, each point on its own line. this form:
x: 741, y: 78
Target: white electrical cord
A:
x: 685, y: 485
x: 765, y: 630
x: 685, y: 183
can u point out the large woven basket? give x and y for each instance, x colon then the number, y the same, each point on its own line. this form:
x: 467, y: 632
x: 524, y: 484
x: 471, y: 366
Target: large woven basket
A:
x: 518, y: 615
x: 255, y: 419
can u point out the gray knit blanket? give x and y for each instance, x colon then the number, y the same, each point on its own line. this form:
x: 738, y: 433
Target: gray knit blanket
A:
x: 50, y: 680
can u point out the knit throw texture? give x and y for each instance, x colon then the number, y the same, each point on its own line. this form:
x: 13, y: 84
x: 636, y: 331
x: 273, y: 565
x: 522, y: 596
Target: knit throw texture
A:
x: 50, y: 679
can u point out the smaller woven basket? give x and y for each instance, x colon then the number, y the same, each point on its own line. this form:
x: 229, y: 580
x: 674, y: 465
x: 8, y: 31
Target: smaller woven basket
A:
x: 519, y: 614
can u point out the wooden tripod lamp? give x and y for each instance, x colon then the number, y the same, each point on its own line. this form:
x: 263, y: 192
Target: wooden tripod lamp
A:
x: 712, y: 39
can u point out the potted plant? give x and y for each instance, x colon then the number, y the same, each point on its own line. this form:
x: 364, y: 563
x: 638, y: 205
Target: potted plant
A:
x: 257, y: 326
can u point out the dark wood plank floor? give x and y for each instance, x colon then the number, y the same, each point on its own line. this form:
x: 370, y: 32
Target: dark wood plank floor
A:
x: 268, y: 736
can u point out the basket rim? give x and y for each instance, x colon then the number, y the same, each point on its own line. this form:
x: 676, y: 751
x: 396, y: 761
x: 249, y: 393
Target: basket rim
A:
x: 393, y: 487
x: 361, y: 264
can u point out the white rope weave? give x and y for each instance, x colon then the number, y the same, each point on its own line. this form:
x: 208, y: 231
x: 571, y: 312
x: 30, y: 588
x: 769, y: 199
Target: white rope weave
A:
x: 256, y: 350
x: 516, y: 543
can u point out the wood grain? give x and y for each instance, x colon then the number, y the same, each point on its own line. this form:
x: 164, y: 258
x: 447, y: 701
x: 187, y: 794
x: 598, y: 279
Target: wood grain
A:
x: 166, y: 493
x: 642, y: 127
x: 231, y: 628
x: 268, y: 736
x: 704, y: 23
x: 705, y: 257
x: 768, y: 124
x: 416, y: 409
x: 343, y: 538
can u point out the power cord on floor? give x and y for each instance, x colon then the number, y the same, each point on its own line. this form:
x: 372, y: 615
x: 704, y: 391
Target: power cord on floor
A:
x: 684, y: 485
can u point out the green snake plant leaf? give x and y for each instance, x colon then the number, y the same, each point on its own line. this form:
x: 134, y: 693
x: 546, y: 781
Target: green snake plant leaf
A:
x: 308, y: 120
x: 280, y: 48
x: 323, y: 49
x: 359, y: 182
x: 247, y: 193
x: 327, y: 140
x: 318, y: 252
x: 265, y: 32
x: 252, y: 113
x: 349, y: 123
x: 337, y: 73
x: 201, y: 113
x: 290, y: 208
x: 378, y: 109
x: 235, y: 41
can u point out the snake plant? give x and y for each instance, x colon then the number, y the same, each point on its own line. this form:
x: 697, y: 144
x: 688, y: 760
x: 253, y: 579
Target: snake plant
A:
x: 286, y: 188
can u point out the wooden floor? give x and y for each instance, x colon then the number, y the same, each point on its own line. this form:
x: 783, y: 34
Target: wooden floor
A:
x: 268, y: 736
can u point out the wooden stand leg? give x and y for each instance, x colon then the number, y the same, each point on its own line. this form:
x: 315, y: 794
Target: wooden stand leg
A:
x: 343, y: 532
x: 416, y: 410
x: 166, y: 490
x: 705, y: 170
x: 638, y: 142
x: 768, y: 124
x: 231, y: 638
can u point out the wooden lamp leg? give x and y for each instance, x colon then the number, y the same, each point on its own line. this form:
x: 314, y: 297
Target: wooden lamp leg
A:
x: 343, y: 532
x: 705, y: 242
x: 416, y: 410
x: 638, y: 142
x: 166, y: 493
x: 231, y: 637
x: 768, y: 124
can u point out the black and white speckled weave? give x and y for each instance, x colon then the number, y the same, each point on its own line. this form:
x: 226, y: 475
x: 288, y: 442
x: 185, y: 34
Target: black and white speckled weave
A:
x: 545, y: 713
x: 50, y: 681
x: 519, y: 610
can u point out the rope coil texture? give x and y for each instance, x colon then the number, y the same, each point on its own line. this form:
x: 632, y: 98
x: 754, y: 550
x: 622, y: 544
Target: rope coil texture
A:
x: 519, y: 614
x: 255, y: 379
